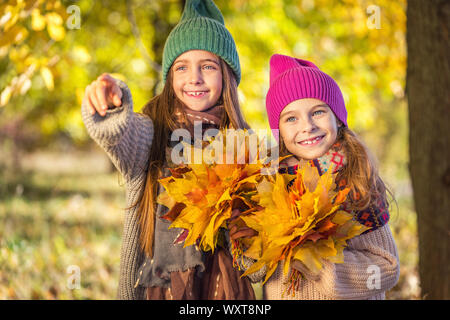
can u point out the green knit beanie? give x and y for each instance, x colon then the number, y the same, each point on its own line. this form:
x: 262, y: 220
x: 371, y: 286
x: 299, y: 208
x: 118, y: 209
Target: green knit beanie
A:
x: 201, y: 28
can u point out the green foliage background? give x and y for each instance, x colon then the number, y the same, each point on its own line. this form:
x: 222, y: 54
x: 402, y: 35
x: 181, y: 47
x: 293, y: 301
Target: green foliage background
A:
x: 51, y: 218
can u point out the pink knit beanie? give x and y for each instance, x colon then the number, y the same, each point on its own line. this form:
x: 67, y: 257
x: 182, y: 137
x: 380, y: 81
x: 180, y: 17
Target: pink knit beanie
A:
x: 293, y: 79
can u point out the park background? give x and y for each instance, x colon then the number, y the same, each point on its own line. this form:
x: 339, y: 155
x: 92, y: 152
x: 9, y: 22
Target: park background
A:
x: 62, y: 202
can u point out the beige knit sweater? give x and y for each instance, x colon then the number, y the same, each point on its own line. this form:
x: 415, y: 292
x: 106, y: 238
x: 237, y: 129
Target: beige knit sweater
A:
x: 370, y: 268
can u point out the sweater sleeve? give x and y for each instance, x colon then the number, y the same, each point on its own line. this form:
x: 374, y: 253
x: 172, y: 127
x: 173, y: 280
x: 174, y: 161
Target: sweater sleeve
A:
x: 125, y: 136
x: 371, y: 267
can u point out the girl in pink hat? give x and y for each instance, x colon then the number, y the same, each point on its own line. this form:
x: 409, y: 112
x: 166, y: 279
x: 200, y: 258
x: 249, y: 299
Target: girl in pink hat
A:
x: 307, y: 114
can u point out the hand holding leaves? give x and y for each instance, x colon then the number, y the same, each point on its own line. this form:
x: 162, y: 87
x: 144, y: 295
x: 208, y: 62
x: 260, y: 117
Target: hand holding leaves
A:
x: 237, y: 228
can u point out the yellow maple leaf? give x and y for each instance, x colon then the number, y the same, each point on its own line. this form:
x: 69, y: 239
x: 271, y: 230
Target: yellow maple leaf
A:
x: 302, y: 223
x: 201, y: 196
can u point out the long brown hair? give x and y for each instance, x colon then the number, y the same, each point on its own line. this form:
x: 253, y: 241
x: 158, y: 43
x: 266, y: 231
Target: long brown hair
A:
x: 161, y: 110
x: 360, y: 174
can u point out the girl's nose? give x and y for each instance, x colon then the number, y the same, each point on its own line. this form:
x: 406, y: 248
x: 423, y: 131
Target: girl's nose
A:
x: 308, y: 125
x: 195, y: 77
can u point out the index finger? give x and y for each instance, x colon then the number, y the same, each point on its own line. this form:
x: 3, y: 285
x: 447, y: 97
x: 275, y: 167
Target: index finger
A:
x: 234, y: 215
x: 116, y: 95
x: 101, y: 96
x: 105, y: 77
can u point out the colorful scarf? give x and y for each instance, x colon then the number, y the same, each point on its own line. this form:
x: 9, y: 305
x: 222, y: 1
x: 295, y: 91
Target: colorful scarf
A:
x: 374, y: 216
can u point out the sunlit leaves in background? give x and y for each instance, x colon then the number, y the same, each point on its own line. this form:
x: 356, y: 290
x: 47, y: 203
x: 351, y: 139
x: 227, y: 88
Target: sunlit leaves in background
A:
x: 46, y: 61
x: 40, y: 53
x: 29, y: 28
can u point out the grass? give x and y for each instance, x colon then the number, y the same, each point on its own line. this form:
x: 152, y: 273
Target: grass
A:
x: 64, y: 212
x: 52, y: 221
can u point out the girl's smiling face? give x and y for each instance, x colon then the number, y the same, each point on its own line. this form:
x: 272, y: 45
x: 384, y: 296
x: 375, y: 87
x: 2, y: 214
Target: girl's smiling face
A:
x: 308, y: 128
x: 197, y: 79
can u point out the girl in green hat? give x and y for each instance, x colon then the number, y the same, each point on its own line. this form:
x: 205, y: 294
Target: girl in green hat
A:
x: 201, y: 71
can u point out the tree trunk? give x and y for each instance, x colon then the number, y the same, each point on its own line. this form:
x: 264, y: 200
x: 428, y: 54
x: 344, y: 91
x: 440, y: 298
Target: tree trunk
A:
x: 427, y: 86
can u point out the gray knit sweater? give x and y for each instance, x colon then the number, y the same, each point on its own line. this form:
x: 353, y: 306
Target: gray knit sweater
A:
x: 126, y: 137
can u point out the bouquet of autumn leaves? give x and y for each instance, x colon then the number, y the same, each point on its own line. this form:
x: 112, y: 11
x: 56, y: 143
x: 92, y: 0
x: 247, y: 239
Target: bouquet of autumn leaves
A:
x: 302, y: 222
x: 201, y: 197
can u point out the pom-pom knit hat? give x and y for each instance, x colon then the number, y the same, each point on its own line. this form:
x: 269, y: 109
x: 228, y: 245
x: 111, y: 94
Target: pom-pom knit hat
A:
x: 293, y: 79
x: 201, y: 27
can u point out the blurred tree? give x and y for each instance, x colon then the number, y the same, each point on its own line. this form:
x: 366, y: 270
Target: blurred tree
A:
x: 161, y: 19
x: 428, y: 81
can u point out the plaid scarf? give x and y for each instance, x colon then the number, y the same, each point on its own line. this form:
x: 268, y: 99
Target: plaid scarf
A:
x: 374, y: 216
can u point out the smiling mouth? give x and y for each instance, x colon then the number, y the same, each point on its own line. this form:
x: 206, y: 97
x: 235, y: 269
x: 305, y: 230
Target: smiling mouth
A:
x: 196, y: 94
x: 311, y: 142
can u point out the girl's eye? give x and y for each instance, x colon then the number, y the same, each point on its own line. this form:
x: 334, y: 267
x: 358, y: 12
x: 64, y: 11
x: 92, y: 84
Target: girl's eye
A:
x: 318, y: 112
x: 290, y: 119
x: 209, y: 67
x: 180, y: 68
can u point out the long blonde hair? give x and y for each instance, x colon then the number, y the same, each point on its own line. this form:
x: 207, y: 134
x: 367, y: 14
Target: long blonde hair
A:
x: 161, y: 109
